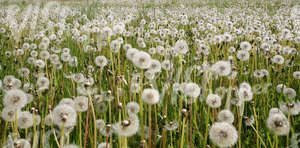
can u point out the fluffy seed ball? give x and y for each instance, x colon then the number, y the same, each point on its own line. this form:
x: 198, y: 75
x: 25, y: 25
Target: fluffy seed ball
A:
x: 81, y: 103
x: 150, y: 96
x: 223, y: 134
x: 8, y: 114
x: 191, y: 90
x: 15, y: 98
x: 213, y: 101
x: 132, y: 108
x: 226, y: 116
x: 222, y: 68
x: 278, y: 123
x: 25, y: 120
x: 64, y: 115
x: 142, y: 60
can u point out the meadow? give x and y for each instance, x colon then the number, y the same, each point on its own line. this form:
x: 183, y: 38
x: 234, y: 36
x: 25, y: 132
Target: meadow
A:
x: 150, y: 74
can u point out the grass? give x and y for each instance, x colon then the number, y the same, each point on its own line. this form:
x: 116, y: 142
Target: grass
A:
x: 193, y: 119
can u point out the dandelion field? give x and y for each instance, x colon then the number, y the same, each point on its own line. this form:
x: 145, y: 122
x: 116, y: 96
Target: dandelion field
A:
x: 166, y: 74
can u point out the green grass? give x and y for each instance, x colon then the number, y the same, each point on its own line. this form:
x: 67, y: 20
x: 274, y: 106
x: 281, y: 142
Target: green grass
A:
x: 194, y: 124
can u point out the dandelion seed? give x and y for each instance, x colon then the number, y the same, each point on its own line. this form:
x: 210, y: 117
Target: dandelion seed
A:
x: 291, y: 108
x: 67, y: 101
x: 278, y: 59
x: 280, y: 88
x: 213, y: 101
x: 22, y: 143
x: 166, y: 65
x: 243, y: 55
x: 155, y: 66
x: 222, y: 68
x: 245, y: 46
x: 103, y: 145
x: 289, y: 93
x: 191, y: 90
x: 25, y: 120
x: 226, y: 116
x: 49, y: 120
x: 150, y: 96
x: 181, y: 47
x: 296, y: 75
x: 64, y: 115
x: 142, y: 60
x: 245, y: 94
x: 101, y: 61
x: 71, y: 146
x: 42, y: 83
x: 127, y: 127
x: 8, y: 114
x: 279, y: 124
x: 81, y: 103
x: 132, y: 108
x: 100, y: 124
x: 223, y: 134
x: 107, y: 131
x: 15, y: 98
x: 171, y: 126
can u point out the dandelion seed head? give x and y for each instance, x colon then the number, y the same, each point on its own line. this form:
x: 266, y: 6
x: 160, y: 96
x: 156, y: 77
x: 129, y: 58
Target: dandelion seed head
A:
x: 223, y: 134
x: 150, y: 96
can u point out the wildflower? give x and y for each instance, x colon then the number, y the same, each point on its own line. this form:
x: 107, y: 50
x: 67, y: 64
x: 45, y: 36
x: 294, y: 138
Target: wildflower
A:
x: 155, y: 66
x: 42, y: 83
x: 166, y: 65
x: 71, y: 146
x: 127, y: 127
x: 24, y: 72
x: 44, y: 55
x: 213, y: 101
x: 171, y: 126
x: 243, y: 55
x: 25, y: 120
x: 78, y: 78
x: 223, y: 134
x: 131, y: 53
x: 67, y: 101
x: 103, y: 145
x: 289, y: 93
x: 101, y: 61
x: 22, y: 143
x: 132, y: 108
x: 15, y: 98
x: 150, y: 96
x: 245, y: 94
x: 222, y: 68
x: 291, y: 108
x: 115, y: 46
x: 245, y: 46
x: 278, y: 59
x: 106, y: 33
x: 245, y: 85
x: 278, y: 123
x: 191, y: 90
x: 142, y: 60
x: 100, y: 124
x: 49, y: 120
x: 8, y: 114
x: 181, y: 47
x: 107, y: 130
x: 40, y: 63
x: 296, y: 75
x: 226, y: 116
x: 64, y: 115
x: 81, y: 103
